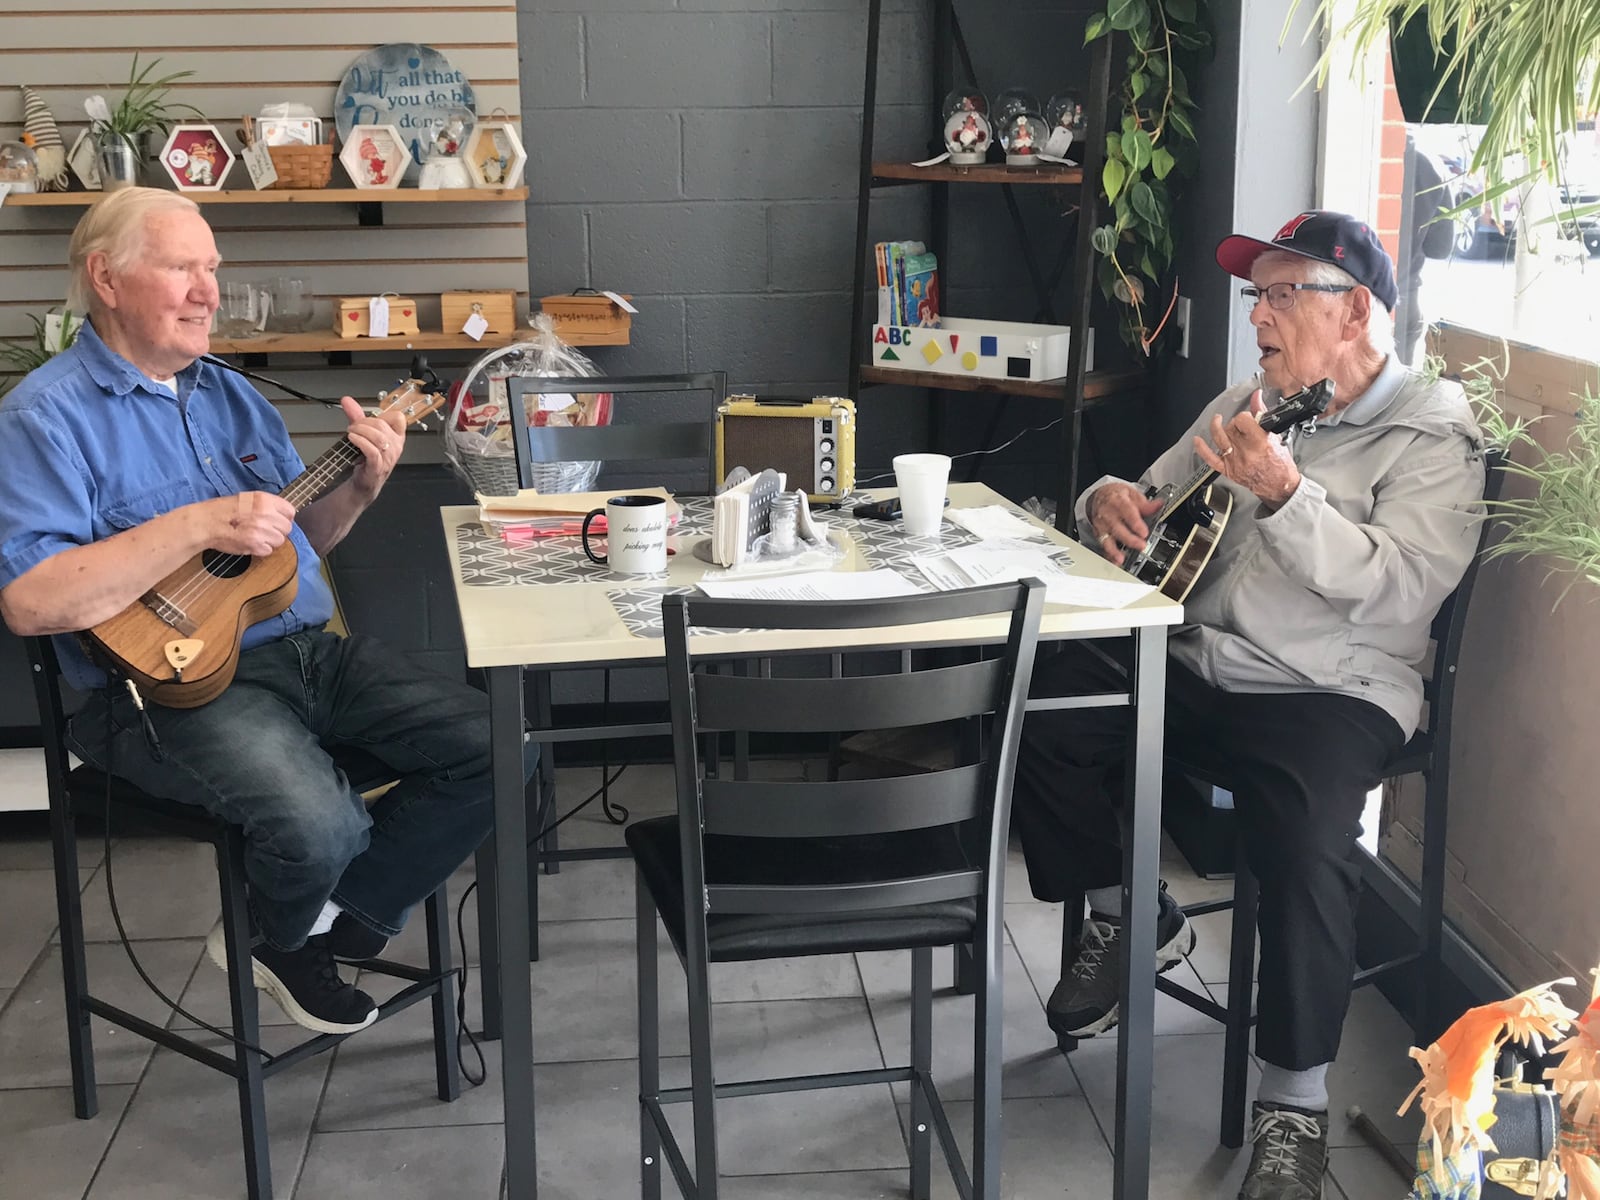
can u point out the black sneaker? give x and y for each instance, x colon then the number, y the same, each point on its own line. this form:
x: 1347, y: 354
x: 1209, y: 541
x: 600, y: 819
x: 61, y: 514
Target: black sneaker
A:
x: 305, y: 983
x: 1085, y: 1002
x: 1290, y: 1155
x: 353, y: 942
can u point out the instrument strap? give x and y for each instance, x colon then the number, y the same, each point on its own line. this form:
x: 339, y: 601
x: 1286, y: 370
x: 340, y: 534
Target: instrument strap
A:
x: 259, y: 378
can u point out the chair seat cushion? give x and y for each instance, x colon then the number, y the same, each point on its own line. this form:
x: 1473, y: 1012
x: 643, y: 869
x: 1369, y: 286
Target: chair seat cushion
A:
x: 738, y: 937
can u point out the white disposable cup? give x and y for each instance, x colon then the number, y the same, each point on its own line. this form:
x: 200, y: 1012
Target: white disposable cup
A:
x: 921, y: 479
x: 636, y: 535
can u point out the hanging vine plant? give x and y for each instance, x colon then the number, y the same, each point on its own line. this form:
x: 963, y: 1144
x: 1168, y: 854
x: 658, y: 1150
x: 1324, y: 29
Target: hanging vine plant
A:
x: 1147, y: 157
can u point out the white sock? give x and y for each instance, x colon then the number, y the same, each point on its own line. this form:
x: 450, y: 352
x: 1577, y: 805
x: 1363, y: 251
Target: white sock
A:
x: 1303, y: 1089
x: 324, y: 921
x: 1106, y: 901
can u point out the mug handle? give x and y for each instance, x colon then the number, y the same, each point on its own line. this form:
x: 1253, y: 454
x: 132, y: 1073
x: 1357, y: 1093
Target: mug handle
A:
x: 583, y: 536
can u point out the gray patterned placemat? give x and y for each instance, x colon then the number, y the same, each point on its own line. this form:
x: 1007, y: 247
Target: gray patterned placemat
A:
x: 640, y: 610
x: 487, y: 560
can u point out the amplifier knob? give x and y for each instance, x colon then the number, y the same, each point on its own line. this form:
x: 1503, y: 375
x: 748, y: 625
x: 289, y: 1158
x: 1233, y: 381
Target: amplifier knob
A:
x: 826, y: 464
x: 825, y: 445
x: 826, y: 485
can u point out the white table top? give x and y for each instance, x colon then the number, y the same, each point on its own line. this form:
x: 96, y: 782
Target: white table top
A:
x: 564, y: 624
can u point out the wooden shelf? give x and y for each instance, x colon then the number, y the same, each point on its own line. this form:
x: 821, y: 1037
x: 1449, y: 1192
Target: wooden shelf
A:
x: 326, y: 342
x: 1044, y: 173
x: 296, y: 196
x: 1097, y: 385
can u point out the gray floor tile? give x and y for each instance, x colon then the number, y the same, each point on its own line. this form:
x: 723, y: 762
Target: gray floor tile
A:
x: 848, y: 1129
x: 1363, y: 1174
x: 836, y: 1185
x: 1213, y: 935
x: 463, y: 1163
x: 383, y: 1078
x: 181, y: 1134
x: 845, y: 1129
x: 587, y: 1117
x: 1186, y: 1163
x: 1036, y: 931
x: 166, y: 888
x: 28, y: 900
x: 1052, y: 1147
x: 584, y: 994
x: 644, y: 789
x: 59, y: 1153
x: 599, y: 890
x: 33, y: 1048
x: 1032, y: 1067
x: 31, y: 852
x: 1374, y: 1070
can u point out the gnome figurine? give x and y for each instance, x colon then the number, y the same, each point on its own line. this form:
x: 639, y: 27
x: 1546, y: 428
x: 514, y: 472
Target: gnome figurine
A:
x: 40, y: 134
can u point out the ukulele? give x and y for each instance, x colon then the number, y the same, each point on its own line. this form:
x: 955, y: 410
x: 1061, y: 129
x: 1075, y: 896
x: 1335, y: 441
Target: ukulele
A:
x: 179, y: 642
x: 1193, y: 516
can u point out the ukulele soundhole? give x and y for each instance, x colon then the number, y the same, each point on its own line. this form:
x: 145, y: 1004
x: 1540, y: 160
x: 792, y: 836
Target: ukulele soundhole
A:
x: 225, y: 566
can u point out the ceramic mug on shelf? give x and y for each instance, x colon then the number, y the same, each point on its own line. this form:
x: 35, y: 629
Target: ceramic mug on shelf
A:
x: 636, y: 535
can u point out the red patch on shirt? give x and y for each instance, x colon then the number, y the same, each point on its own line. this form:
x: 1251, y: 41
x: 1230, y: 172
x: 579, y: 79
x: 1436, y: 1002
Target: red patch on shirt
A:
x: 248, y: 458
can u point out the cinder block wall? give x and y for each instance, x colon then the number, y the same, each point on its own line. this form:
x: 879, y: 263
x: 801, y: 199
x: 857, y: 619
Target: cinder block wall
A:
x: 702, y: 155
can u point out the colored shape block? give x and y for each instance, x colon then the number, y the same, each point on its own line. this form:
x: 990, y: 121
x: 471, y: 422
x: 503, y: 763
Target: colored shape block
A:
x: 889, y: 356
x: 954, y: 338
x: 989, y: 345
x: 931, y: 351
x: 969, y: 360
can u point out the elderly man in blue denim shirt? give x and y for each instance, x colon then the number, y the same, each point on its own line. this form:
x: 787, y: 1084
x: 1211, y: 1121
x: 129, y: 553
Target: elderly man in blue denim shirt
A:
x: 125, y: 456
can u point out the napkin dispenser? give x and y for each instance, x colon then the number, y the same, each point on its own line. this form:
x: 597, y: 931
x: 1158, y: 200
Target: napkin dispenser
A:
x: 812, y: 442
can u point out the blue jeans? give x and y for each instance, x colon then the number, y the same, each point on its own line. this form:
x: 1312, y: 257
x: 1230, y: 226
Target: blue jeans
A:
x: 257, y: 756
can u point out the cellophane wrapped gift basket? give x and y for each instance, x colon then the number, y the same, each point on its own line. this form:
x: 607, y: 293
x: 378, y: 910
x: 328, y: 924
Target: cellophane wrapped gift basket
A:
x: 478, y: 435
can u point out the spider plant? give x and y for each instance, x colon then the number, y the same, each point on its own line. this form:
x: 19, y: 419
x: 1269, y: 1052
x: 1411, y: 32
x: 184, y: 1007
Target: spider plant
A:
x: 1560, y: 522
x: 144, y: 107
x: 18, y: 358
x: 1530, y: 66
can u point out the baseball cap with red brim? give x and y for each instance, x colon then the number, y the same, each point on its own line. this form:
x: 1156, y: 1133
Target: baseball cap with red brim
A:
x: 1329, y: 237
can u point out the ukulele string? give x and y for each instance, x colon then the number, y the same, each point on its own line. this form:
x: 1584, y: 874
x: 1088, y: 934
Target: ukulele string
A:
x: 311, y: 483
x: 322, y: 472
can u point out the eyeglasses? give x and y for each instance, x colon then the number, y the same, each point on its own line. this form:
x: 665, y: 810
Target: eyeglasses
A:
x: 1281, y: 295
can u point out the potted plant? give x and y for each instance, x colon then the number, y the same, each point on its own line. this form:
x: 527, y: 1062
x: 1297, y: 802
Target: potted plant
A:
x: 144, y: 109
x: 49, y: 339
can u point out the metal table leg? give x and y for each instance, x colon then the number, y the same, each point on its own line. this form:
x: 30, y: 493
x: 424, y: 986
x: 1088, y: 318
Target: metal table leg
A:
x: 511, y: 907
x: 1140, y: 883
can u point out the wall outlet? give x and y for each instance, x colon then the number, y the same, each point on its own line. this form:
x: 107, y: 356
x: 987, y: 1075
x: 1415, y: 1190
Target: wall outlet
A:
x: 1180, y: 315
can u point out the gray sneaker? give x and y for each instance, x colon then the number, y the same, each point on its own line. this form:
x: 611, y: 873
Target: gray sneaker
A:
x: 1290, y: 1155
x: 1085, y: 1002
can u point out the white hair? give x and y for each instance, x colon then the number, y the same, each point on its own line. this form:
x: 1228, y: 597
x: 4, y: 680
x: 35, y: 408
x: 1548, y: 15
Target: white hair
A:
x: 1380, y: 321
x: 115, y: 226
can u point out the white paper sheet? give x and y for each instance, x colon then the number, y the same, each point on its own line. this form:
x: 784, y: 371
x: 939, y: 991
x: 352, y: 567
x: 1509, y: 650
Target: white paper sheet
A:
x: 995, y: 521
x: 1004, y: 560
x: 816, y: 585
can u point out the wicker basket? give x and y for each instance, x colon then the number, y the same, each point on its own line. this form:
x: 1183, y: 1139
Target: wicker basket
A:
x: 496, y: 474
x: 302, y: 166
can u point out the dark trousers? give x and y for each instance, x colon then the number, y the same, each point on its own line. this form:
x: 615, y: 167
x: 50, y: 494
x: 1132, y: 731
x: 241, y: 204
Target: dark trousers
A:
x: 1301, y: 765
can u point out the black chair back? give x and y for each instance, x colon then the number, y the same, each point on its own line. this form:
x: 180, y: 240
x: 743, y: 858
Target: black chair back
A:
x: 626, y: 441
x: 883, y: 843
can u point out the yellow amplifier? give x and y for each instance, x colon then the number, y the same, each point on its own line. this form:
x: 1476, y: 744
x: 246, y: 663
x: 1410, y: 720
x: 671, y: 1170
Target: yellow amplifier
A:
x: 813, y: 442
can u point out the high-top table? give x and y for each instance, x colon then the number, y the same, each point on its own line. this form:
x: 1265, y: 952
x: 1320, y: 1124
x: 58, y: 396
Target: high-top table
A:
x: 543, y: 607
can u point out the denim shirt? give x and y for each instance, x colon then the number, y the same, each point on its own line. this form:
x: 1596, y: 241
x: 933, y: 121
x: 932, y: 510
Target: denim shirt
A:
x: 89, y: 447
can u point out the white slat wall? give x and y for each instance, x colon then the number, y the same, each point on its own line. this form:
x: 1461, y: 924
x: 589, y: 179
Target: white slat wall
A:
x: 243, y: 57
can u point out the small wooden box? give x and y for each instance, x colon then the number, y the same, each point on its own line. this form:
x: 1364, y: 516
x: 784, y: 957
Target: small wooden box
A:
x: 589, y: 320
x: 352, y: 317
x: 497, y: 308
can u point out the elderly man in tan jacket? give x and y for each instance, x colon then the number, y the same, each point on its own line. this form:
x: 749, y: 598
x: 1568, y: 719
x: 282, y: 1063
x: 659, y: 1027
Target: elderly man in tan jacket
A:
x: 1296, y: 672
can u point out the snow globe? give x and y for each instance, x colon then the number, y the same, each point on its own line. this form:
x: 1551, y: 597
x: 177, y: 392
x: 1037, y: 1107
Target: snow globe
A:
x: 1067, y: 121
x: 444, y: 166
x: 966, y: 127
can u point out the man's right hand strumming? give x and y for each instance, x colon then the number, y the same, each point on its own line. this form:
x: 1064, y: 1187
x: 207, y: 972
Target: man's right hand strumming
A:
x: 253, y: 523
x: 1117, y: 512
